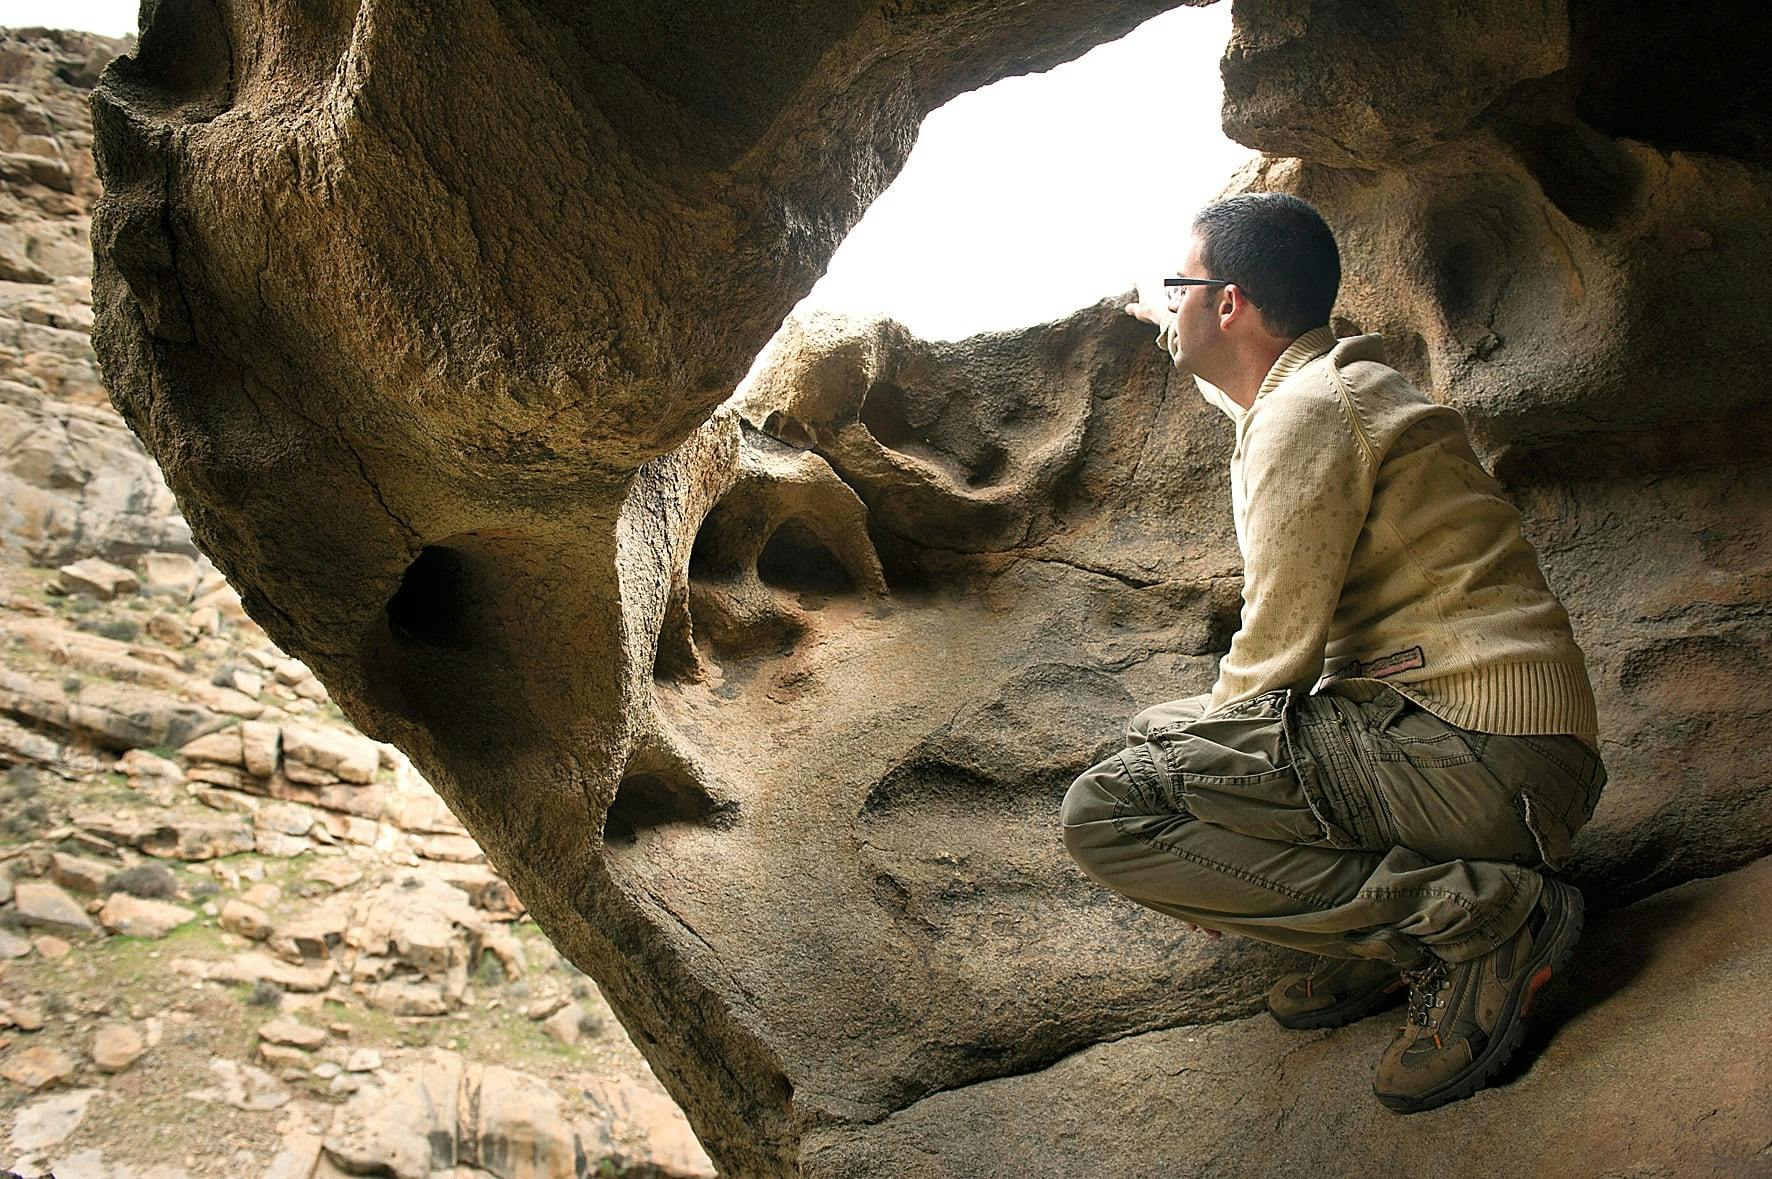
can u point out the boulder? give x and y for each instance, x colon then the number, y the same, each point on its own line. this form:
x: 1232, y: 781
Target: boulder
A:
x: 80, y: 873
x: 349, y: 756
x: 116, y: 1046
x: 261, y: 746
x: 12, y: 945
x: 246, y: 920
x: 242, y: 1086
x: 138, y: 917
x: 99, y: 578
x: 253, y: 967
x: 223, y: 748
x: 172, y: 575
x: 563, y: 1025
x: 49, y: 1121
x: 43, y: 905
x: 36, y: 1067
x: 293, y: 1033
x: 149, y: 767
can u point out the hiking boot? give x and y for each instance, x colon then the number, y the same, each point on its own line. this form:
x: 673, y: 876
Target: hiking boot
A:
x: 1466, y: 1019
x: 1337, y: 991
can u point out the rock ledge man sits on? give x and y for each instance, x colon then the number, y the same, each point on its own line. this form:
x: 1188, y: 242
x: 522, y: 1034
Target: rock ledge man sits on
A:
x: 1402, y: 738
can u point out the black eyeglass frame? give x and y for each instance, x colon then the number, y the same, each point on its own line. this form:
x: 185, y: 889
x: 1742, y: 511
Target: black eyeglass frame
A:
x: 1170, y: 285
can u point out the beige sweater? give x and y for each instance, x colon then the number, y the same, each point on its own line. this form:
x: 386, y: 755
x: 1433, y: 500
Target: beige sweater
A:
x: 1376, y: 546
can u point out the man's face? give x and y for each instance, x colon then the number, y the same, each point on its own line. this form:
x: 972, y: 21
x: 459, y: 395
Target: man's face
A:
x: 1196, y: 312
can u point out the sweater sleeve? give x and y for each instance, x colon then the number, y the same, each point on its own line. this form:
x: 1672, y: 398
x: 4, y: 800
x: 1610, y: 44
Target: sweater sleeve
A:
x: 1308, y: 477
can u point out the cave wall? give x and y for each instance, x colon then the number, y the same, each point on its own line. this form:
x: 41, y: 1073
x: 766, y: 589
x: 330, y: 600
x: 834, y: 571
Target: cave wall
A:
x: 432, y: 315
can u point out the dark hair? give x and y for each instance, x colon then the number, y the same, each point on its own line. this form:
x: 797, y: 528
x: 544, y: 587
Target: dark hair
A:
x: 1279, y: 250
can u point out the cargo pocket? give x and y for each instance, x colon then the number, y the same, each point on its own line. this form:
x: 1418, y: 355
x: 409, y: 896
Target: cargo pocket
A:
x: 1267, y: 806
x: 1550, y: 828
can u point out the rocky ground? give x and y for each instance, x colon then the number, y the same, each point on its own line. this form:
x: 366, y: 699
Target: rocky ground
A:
x: 237, y: 937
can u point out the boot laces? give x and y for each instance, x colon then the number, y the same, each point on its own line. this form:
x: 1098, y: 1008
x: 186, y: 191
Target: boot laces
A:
x: 1424, y: 991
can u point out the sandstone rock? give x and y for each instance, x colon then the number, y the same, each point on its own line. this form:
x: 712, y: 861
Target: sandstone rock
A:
x: 285, y: 818
x: 293, y: 1033
x: 13, y: 946
x: 36, y: 1067
x: 27, y: 1015
x: 115, y: 716
x: 501, y: 945
x: 99, y: 578
x: 460, y: 849
x: 402, y: 997
x: 150, y: 767
x: 279, y: 845
x: 363, y: 1060
x: 311, y: 934
x: 254, y: 967
x: 137, y: 917
x: 206, y: 620
x: 5, y: 889
x: 45, y: 906
x: 562, y: 1026
x: 787, y: 758
x: 642, y: 1129
x: 51, y: 948
x: 116, y: 1046
x: 171, y: 574
x: 50, y: 1120
x: 246, y: 920
x: 80, y: 873
x: 296, y: 1158
x: 351, y: 757
x: 283, y: 1057
x: 172, y: 836
x: 261, y: 746
x: 444, y: 1114
x: 307, y: 775
x: 242, y: 1086
x: 263, y: 895
x: 233, y: 802
x: 223, y: 748
x: 169, y: 629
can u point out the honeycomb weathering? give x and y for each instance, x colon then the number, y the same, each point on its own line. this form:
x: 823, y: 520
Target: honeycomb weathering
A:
x: 432, y: 315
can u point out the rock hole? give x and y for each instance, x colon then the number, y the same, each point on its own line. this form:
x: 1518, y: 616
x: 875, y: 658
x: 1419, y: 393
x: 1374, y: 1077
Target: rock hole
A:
x: 783, y: 428
x: 795, y: 559
x: 434, y: 603
x: 884, y: 419
x: 649, y: 799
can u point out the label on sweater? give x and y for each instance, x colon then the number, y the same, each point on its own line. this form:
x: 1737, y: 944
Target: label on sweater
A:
x: 1384, y: 665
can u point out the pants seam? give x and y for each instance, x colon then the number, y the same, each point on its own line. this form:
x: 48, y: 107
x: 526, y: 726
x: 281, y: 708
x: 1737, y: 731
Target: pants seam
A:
x: 1225, y: 869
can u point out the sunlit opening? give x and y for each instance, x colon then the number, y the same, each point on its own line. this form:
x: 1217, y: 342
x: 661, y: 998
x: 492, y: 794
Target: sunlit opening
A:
x: 1040, y: 194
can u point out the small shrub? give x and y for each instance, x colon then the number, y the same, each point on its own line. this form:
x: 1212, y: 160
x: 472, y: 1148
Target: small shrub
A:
x: 124, y: 630
x: 149, y: 881
x: 72, y: 685
x: 590, y: 1025
x: 55, y: 1003
x: 264, y: 994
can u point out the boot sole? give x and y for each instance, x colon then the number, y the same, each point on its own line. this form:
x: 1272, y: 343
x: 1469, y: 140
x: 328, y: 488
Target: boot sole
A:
x: 1348, y: 1011
x: 1556, y: 945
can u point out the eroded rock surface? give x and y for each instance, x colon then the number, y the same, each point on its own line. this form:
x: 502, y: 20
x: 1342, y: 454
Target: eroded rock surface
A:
x: 765, y: 706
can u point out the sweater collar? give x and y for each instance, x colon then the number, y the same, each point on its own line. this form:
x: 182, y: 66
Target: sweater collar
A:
x: 1298, y: 354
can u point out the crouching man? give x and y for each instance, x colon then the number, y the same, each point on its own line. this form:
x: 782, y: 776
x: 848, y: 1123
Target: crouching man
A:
x: 1402, y: 738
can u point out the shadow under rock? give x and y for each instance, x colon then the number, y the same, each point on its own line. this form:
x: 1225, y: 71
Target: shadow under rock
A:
x: 1615, y: 948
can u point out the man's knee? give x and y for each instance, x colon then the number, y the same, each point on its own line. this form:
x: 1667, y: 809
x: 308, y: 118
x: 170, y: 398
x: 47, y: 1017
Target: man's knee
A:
x: 1095, y: 799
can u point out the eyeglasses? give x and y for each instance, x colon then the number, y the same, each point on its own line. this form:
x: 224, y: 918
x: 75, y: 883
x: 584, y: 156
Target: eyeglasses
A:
x: 1170, y: 286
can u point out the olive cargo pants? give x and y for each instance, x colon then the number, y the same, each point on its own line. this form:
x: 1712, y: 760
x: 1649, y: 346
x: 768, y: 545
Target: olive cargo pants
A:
x: 1351, y: 822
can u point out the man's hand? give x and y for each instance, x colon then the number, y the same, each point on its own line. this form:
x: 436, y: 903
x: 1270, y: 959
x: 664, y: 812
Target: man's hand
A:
x: 1146, y: 312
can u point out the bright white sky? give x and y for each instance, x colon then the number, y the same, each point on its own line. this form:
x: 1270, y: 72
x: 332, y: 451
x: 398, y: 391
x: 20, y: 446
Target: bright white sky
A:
x: 1022, y: 201
x: 113, y: 18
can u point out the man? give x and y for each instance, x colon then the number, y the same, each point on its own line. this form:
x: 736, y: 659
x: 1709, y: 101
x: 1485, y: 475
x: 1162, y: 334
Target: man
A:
x: 1402, y: 736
